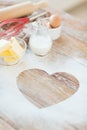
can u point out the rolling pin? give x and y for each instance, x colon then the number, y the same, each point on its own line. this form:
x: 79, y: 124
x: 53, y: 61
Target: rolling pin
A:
x: 21, y: 9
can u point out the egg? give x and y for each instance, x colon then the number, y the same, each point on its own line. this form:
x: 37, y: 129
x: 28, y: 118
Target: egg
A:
x: 54, y: 21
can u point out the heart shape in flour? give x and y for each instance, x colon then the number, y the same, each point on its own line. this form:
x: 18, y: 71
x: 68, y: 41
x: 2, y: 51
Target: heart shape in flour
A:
x: 44, y: 90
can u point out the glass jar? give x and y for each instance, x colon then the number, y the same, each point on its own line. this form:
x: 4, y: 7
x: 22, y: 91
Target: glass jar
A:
x: 40, y: 41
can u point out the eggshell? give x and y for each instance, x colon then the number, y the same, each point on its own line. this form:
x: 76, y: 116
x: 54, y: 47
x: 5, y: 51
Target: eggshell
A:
x: 54, y: 21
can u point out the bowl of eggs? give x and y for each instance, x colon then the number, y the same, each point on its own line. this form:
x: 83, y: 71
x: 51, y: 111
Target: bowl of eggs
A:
x: 11, y: 51
x: 55, y: 26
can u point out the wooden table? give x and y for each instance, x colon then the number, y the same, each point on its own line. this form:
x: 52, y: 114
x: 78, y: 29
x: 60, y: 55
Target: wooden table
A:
x: 69, y: 54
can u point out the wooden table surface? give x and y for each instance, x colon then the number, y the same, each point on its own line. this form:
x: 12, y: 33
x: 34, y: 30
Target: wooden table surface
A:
x: 69, y: 54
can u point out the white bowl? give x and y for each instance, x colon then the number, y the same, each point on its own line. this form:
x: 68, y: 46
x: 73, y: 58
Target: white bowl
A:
x: 55, y: 32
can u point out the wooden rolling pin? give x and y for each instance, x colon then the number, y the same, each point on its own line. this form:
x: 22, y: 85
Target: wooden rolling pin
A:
x: 21, y: 9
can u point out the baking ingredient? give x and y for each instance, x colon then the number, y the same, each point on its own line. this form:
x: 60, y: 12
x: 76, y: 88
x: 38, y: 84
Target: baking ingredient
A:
x: 5, y: 53
x: 4, y: 45
x: 40, y: 41
x: 16, y: 49
x: 12, y: 51
x: 54, y: 21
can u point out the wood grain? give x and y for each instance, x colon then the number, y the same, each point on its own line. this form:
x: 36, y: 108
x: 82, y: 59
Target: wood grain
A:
x: 4, y: 125
x: 45, y: 90
x: 7, y: 124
